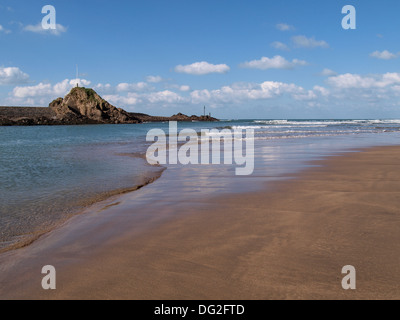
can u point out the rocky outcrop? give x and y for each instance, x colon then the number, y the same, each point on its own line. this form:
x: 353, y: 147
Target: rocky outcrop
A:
x: 177, y: 117
x: 10, y: 116
x: 86, y: 103
x: 81, y: 106
x: 183, y: 117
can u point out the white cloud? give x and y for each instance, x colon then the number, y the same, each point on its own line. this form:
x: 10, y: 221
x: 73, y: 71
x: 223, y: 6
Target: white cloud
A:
x: 12, y: 75
x: 284, y: 27
x: 383, y: 55
x: 355, y: 81
x: 123, y: 94
x: 39, y: 29
x: 279, y: 45
x: 202, y: 68
x: 104, y: 88
x: 247, y: 91
x: 165, y: 96
x: 72, y: 83
x: 108, y: 89
x: 184, y: 88
x: 276, y: 62
x: 130, y: 100
x: 346, y: 81
x: 2, y: 29
x: 373, y: 91
x: 154, y: 79
x: 48, y: 90
x: 306, y: 95
x: 139, y: 86
x: 341, y: 91
x: 328, y: 73
x: 304, y: 42
x: 321, y: 90
x: 40, y: 89
x: 157, y: 98
x: 353, y: 89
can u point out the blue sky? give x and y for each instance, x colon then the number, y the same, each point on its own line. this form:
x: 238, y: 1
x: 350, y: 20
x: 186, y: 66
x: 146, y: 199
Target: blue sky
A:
x: 242, y: 59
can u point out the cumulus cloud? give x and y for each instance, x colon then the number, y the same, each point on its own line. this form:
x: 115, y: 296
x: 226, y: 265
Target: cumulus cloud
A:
x: 279, y: 45
x: 375, y: 90
x: 383, y: 55
x: 123, y: 94
x: 328, y: 73
x: 129, y: 100
x: 368, y: 90
x: 321, y: 91
x: 284, y: 27
x: 154, y: 79
x: 165, y: 96
x: 74, y: 82
x: 276, y: 62
x: 40, y: 89
x: 184, y: 88
x: 202, y: 68
x: 104, y: 88
x: 237, y: 93
x: 48, y: 90
x: 39, y: 29
x: 158, y: 98
x: 139, y: 86
x: 356, y: 81
x: 304, y: 42
x: 12, y: 75
x: 108, y: 89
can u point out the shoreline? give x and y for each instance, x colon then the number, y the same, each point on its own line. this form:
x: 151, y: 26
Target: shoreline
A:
x: 82, y: 206
x: 289, y: 241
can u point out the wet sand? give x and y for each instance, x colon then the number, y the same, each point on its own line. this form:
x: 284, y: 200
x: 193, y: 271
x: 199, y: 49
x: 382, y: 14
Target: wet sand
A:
x: 285, y: 242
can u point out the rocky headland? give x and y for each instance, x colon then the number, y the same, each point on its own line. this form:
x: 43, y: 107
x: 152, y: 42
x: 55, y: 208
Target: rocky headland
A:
x: 82, y: 106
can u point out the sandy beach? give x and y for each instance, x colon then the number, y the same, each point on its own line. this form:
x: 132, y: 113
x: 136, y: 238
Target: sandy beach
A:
x: 288, y: 241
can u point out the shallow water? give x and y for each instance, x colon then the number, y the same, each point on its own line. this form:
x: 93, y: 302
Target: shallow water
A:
x: 50, y: 173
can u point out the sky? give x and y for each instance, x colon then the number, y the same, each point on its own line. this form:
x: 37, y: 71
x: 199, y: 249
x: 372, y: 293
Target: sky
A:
x: 258, y: 59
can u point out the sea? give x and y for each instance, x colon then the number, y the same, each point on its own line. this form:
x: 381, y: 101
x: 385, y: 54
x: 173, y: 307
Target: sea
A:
x: 51, y: 173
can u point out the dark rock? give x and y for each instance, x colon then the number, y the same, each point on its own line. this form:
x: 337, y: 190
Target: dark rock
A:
x: 81, y: 106
x: 177, y: 117
x: 87, y: 104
